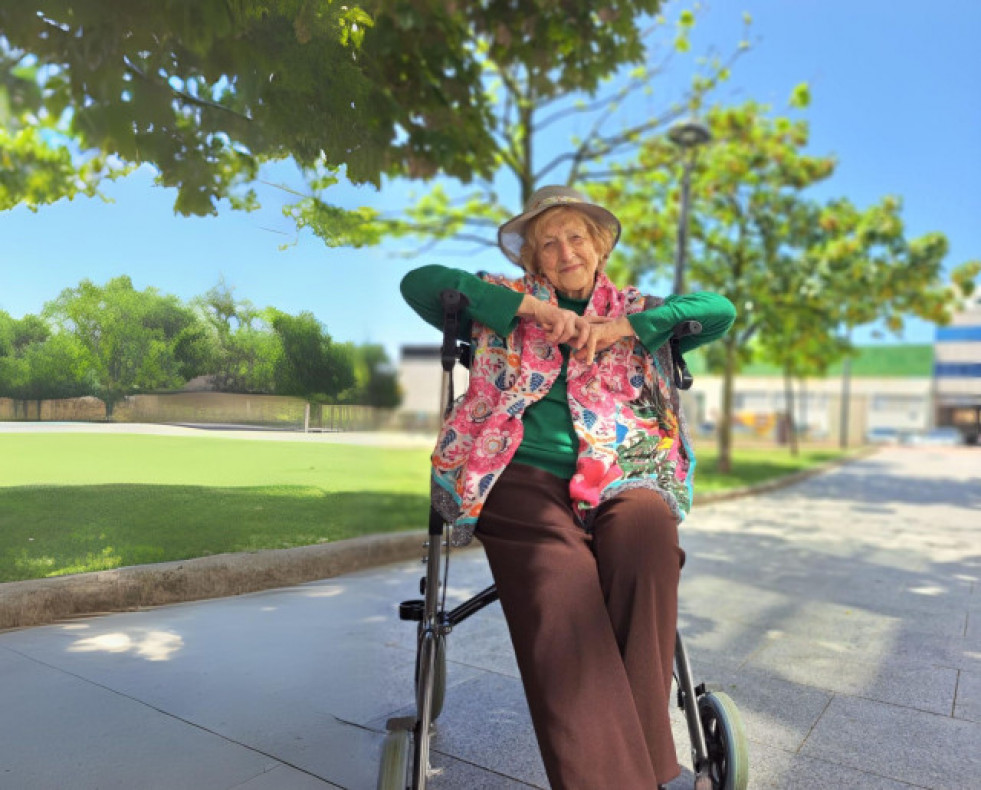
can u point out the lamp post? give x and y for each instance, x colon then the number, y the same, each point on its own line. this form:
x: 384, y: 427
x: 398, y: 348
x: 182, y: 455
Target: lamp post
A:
x: 688, y: 136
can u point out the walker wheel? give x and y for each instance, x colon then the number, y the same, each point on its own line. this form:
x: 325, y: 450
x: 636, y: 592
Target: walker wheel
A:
x: 439, y: 678
x: 725, y: 738
x: 394, y: 771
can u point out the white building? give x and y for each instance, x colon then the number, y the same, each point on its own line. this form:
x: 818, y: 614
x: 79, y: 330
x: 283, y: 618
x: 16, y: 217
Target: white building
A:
x: 938, y: 386
x: 901, y: 401
x: 420, y: 377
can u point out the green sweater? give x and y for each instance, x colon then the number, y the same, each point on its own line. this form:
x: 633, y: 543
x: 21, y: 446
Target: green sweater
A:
x: 550, y: 441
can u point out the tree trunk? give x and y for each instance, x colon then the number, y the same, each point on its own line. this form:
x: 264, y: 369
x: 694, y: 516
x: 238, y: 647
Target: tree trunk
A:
x: 788, y: 388
x: 526, y: 177
x: 725, y: 423
x: 846, y: 397
x: 803, y: 421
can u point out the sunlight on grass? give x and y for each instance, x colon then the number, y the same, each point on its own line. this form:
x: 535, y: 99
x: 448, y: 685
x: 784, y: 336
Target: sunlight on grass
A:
x: 72, y: 503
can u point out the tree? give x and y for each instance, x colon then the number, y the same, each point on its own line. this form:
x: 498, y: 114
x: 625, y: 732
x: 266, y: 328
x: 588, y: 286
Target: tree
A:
x: 311, y: 365
x: 377, y: 379
x: 798, y: 272
x: 207, y: 90
x: 128, y: 336
x: 36, y: 364
x: 558, y: 67
x: 746, y: 188
x: 35, y: 169
x: 242, y: 350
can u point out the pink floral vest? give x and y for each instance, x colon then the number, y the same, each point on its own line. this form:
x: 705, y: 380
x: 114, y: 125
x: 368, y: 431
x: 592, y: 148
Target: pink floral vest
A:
x: 624, y: 409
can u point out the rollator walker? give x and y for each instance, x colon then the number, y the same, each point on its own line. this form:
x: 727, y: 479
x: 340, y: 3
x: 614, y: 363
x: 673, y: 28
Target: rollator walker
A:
x: 718, y: 742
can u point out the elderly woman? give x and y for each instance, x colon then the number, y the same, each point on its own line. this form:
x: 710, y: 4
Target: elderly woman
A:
x: 568, y: 459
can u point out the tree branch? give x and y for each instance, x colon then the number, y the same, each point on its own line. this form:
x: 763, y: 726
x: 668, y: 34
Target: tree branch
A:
x: 602, y: 175
x: 606, y: 146
x: 430, y: 245
x: 184, y: 96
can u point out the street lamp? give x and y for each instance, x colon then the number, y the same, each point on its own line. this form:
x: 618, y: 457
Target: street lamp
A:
x: 688, y: 135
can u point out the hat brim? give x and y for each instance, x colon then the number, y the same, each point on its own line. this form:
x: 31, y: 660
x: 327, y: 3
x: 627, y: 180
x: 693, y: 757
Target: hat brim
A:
x: 511, y: 235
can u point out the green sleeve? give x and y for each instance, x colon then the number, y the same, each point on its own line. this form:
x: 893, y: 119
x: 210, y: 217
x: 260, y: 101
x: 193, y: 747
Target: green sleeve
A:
x: 492, y: 305
x: 713, y: 311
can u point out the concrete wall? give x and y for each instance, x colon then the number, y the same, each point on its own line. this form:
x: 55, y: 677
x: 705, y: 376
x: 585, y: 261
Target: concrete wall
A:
x: 204, y: 408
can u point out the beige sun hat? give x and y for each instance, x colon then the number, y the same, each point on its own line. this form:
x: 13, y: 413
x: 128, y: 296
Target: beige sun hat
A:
x: 511, y: 235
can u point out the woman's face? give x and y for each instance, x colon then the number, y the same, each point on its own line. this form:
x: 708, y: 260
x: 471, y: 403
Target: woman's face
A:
x: 566, y: 254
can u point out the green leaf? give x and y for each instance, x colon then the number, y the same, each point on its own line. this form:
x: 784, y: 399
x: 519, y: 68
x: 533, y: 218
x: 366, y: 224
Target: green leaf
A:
x: 800, y: 97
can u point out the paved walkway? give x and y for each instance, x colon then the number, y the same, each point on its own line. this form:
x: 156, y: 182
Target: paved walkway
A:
x: 843, y: 615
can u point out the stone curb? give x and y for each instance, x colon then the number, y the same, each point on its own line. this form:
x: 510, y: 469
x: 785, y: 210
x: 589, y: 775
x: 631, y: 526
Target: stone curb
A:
x: 40, y: 601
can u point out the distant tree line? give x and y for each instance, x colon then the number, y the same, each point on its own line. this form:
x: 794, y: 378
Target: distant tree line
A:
x: 112, y: 340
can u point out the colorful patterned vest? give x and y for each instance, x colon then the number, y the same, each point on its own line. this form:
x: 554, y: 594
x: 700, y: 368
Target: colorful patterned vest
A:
x: 624, y: 408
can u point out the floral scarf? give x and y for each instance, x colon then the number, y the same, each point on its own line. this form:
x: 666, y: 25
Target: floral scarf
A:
x: 624, y: 409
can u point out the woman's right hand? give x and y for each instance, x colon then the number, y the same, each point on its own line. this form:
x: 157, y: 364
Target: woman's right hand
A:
x: 561, y: 326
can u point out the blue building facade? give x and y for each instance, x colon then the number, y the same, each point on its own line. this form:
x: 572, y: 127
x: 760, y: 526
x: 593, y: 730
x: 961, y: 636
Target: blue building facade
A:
x: 957, y: 371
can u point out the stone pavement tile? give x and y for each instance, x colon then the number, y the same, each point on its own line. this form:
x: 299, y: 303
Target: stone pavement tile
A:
x: 486, y: 646
x: 719, y: 597
x: 956, y: 652
x: 203, y: 667
x: 973, y: 629
x: 341, y: 754
x: 450, y: 774
x: 485, y: 723
x: 946, y: 589
x: 468, y: 575
x: 812, y: 663
x: 774, y: 711
x: 824, y: 619
x: 776, y: 769
x: 282, y: 777
x: 203, y: 684
x: 912, y: 599
x: 902, y: 744
x: 73, y: 733
x: 968, y: 705
x: 720, y: 642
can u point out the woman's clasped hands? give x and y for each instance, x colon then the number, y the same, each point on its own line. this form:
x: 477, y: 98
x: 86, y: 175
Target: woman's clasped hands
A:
x: 586, y: 335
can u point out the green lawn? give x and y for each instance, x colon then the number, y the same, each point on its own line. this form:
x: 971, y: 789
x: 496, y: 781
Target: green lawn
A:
x: 753, y: 466
x: 83, y: 502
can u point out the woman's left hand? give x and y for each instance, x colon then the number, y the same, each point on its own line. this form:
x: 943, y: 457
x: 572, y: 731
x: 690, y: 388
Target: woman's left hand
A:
x: 603, y: 333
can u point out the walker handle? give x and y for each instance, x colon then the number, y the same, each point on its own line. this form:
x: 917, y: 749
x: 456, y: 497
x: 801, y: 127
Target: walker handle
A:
x: 683, y: 378
x: 454, y: 303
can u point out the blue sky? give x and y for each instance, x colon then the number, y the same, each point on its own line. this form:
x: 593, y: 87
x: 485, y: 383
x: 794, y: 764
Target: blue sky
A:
x: 895, y: 88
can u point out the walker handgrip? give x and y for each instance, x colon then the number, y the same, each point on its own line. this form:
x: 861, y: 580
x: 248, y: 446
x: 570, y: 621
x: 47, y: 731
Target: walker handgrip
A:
x: 454, y: 303
x: 683, y: 378
x: 689, y: 327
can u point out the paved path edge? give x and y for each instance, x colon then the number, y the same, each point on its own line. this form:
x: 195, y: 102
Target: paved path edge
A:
x: 40, y: 601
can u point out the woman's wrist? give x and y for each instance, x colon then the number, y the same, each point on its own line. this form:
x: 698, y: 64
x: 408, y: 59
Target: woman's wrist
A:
x: 526, y: 308
x: 625, y: 328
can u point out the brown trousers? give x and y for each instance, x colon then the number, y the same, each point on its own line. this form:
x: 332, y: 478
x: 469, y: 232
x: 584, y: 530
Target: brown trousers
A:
x: 592, y: 618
